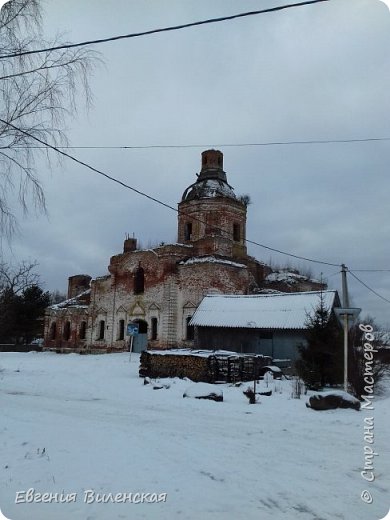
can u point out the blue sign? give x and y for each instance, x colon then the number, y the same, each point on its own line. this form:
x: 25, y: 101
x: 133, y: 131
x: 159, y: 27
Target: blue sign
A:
x: 132, y: 329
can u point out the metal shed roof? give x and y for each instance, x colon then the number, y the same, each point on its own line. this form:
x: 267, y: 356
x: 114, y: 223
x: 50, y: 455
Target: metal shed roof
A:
x: 265, y: 311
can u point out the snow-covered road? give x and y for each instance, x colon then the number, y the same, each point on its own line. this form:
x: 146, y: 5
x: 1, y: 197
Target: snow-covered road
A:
x: 73, y: 423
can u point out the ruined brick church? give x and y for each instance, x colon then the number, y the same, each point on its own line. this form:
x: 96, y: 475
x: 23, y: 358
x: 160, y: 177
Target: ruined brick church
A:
x: 159, y: 289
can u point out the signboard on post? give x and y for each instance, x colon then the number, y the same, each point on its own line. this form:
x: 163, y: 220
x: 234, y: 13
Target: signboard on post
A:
x: 351, y: 313
x: 132, y: 329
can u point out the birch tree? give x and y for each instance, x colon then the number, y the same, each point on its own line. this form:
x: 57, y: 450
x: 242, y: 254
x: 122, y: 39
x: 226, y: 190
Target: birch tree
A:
x: 37, y: 94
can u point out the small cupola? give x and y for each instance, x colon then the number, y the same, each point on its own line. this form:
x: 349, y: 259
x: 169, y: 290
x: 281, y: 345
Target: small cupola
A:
x: 212, y: 166
x: 211, y: 181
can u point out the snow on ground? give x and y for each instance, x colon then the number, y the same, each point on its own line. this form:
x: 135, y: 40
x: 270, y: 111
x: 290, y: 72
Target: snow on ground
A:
x: 203, y: 390
x: 72, y: 423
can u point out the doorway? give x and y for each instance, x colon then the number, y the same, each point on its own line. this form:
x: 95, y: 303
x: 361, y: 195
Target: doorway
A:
x: 140, y: 341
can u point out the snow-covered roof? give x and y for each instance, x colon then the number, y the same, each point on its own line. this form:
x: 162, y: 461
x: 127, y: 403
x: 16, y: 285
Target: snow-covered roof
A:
x: 191, y: 352
x: 260, y: 311
x: 289, y: 277
x: 199, y: 353
x: 180, y: 244
x: 77, y: 301
x: 208, y: 189
x: 269, y: 291
x: 210, y: 259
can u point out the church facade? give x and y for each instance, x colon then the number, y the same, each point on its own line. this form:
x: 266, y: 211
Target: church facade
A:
x: 159, y: 289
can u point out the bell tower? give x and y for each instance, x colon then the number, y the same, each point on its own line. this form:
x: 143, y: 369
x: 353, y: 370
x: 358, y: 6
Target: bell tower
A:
x: 211, y: 217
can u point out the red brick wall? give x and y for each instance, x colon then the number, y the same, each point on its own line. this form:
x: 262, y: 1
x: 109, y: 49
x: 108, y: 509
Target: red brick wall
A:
x: 212, y: 222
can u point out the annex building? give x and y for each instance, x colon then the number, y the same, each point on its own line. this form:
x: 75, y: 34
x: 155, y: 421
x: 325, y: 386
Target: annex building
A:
x: 273, y: 325
x: 160, y: 289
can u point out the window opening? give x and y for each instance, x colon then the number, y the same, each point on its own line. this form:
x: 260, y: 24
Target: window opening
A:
x: 188, y: 231
x: 154, y: 329
x: 102, y: 326
x: 53, y: 330
x: 83, y: 330
x: 190, y: 329
x: 121, y: 332
x: 67, y: 331
x: 236, y: 232
x: 139, y: 281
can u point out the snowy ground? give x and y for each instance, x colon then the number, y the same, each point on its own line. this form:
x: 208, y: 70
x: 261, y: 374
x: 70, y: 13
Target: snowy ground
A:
x: 72, y: 423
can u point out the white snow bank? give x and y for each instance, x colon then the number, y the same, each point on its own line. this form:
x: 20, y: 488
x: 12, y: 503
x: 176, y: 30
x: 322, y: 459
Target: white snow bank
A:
x: 340, y: 393
x: 273, y: 368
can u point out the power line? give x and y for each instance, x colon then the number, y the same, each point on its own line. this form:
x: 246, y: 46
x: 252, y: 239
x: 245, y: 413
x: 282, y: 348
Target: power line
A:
x: 369, y: 288
x: 216, y: 145
x: 291, y: 254
x: 371, y: 270
x: 107, y: 176
x: 333, y: 274
x: 47, y: 145
x: 163, y: 29
x: 139, y: 192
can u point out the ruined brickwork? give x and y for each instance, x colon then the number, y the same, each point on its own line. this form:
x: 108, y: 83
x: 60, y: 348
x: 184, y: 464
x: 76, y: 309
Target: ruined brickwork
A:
x: 159, y: 289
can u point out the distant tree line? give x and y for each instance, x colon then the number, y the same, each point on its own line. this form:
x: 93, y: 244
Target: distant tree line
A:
x: 22, y: 303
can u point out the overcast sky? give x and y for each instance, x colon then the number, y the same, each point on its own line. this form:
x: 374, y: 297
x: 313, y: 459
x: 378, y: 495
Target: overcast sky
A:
x: 310, y: 73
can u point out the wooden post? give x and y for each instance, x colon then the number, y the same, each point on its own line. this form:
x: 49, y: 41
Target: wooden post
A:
x: 131, y: 346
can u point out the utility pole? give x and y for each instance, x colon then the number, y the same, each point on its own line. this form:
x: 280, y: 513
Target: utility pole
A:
x: 346, y: 306
x: 346, y: 315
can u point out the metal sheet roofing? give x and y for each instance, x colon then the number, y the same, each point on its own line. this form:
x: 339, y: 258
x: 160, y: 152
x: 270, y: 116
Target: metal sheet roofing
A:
x: 265, y: 311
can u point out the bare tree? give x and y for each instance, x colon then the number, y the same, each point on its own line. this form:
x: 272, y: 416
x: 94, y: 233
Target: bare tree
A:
x: 57, y: 296
x: 16, y: 279
x: 360, y: 366
x: 22, y: 303
x: 37, y: 91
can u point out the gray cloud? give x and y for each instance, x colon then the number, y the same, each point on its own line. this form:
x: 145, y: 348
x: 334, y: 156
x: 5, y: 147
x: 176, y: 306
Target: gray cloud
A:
x: 320, y: 72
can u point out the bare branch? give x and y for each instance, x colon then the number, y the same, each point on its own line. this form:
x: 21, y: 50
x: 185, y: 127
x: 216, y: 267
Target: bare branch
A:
x: 17, y: 279
x: 37, y: 92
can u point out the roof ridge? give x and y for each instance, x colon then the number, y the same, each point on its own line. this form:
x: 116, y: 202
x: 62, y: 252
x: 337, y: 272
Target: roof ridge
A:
x: 270, y: 295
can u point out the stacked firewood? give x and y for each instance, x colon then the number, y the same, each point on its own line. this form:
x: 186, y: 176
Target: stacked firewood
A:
x: 156, y: 365
x: 201, y: 367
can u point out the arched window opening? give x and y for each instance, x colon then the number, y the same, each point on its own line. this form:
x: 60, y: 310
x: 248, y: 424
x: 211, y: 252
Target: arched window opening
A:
x: 101, y: 329
x: 67, y: 331
x: 154, y: 328
x: 83, y: 330
x: 188, y: 231
x: 121, y: 329
x: 139, y: 281
x: 189, y: 329
x: 236, y: 232
x: 142, y: 326
x: 53, y: 330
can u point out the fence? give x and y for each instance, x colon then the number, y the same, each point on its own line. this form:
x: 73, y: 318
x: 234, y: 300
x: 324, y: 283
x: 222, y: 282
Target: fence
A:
x: 11, y: 347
